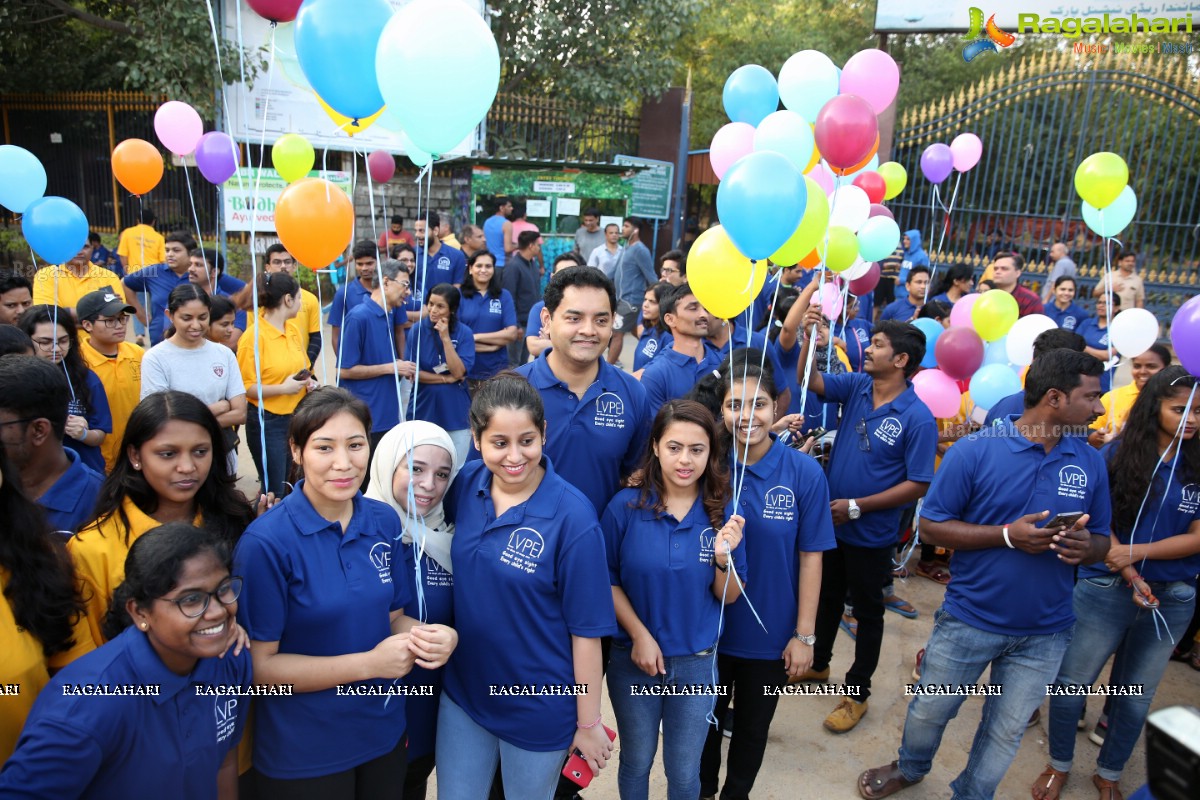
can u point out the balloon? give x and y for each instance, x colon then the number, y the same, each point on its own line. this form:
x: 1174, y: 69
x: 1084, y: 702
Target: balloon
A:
x: 959, y: 352
x: 732, y: 141
x: 346, y: 124
x: 807, y: 81
x: 788, y: 133
x: 824, y: 178
x: 960, y: 312
x: 811, y: 229
x: 276, y: 10
x: 811, y: 260
x: 841, y: 250
x: 415, y: 43
x: 992, y: 383
x: 415, y: 154
x: 877, y: 238
x: 938, y: 392
x: 750, y: 94
x: 1021, y: 336
x: 856, y: 270
x: 932, y: 330
x: 178, y: 127
x: 381, y: 166
x: 997, y: 353
x: 873, y: 76
x: 137, y: 165
x: 831, y: 301
x: 867, y: 283
x: 1133, y: 331
x: 335, y: 45
x: 936, y: 162
x: 1115, y: 217
x: 993, y: 314
x: 873, y: 184
x: 22, y: 178
x: 1185, y: 335
x: 217, y: 157
x: 55, y: 228
x: 894, y: 176
x: 314, y: 220
x: 760, y: 202
x: 850, y: 208
x: 880, y: 210
x: 965, y: 151
x: 871, y: 161
x: 292, y: 156
x: 720, y: 276
x: 846, y: 130
x: 1100, y: 178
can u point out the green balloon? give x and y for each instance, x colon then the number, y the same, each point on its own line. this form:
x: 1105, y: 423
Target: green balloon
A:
x: 810, y: 231
x: 292, y: 156
x: 895, y: 178
x: 841, y: 250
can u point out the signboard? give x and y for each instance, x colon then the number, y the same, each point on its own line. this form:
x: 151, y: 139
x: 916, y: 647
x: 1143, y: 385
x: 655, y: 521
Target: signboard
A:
x: 238, y: 196
x: 651, y: 187
x: 906, y: 16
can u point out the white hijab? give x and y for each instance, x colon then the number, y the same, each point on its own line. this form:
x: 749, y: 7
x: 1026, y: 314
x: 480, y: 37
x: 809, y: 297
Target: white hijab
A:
x: 389, y: 454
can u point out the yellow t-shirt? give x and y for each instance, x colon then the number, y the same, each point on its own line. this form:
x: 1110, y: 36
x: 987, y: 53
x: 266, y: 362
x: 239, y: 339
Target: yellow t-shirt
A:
x: 60, y: 286
x: 308, y: 321
x: 141, y: 245
x: 1116, y: 408
x: 122, y: 379
x: 281, y: 356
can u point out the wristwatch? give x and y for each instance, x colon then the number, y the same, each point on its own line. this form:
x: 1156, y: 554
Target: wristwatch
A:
x: 854, y: 512
x: 809, y: 640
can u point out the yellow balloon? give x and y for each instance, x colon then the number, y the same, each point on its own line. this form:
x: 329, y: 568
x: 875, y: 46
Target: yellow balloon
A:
x: 345, y: 123
x: 816, y: 159
x: 811, y: 229
x: 993, y: 314
x: 292, y: 156
x: 1100, y: 178
x: 723, y: 280
x: 895, y: 178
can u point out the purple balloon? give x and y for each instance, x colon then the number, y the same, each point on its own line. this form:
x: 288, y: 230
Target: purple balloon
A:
x: 217, y: 157
x: 937, y: 162
x: 959, y: 352
x: 880, y: 210
x: 1185, y: 335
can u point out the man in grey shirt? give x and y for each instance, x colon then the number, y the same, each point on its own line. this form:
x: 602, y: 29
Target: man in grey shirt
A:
x: 607, y: 256
x: 522, y: 278
x: 589, y: 237
x: 1063, y: 265
x: 634, y: 273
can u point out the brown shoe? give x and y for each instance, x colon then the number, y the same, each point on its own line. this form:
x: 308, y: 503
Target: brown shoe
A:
x: 813, y: 675
x: 847, y: 714
x: 1049, y: 784
x: 883, y: 781
x: 1109, y: 790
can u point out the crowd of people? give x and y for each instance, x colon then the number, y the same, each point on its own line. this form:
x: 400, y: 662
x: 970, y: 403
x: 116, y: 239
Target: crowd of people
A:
x: 419, y: 582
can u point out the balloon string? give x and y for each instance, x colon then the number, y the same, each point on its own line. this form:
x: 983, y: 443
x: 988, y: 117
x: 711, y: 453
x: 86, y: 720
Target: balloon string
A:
x: 187, y: 179
x: 390, y: 317
x: 739, y: 477
x: 937, y: 253
x: 351, y: 269
x: 54, y: 271
x: 212, y: 24
x: 812, y: 351
x: 321, y: 307
x: 423, y: 194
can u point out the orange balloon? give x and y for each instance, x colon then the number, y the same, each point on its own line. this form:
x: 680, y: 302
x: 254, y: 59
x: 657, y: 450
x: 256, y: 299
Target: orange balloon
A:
x: 138, y: 165
x: 314, y: 220
x: 860, y: 164
x: 811, y: 260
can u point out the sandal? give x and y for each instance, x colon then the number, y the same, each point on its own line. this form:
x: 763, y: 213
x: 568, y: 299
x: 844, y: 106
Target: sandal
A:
x: 1193, y: 659
x: 1049, y: 784
x: 1109, y: 790
x: 900, y: 572
x: 900, y: 606
x: 933, y: 571
x: 850, y: 626
x: 883, y: 781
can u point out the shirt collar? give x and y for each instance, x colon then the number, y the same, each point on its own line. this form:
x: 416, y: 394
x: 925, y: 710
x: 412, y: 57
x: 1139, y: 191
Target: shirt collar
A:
x: 63, y: 494
x: 545, y: 500
x: 542, y: 376
x: 899, y: 403
x: 648, y: 513
x: 768, y: 465
x: 149, y: 669
x: 1007, y: 429
x: 308, y: 522
x: 140, y: 521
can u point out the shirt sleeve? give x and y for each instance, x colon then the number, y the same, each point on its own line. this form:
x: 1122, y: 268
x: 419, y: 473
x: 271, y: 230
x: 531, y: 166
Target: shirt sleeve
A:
x: 533, y: 327
x: 337, y: 307
x: 950, y: 492
x: 815, y: 522
x: 410, y: 345
x: 466, y: 346
x: 654, y: 382
x: 263, y: 605
x: 508, y: 312
x: 1100, y: 509
x: 314, y: 316
x: 645, y: 265
x: 458, y: 265
x: 138, y: 281
x: 838, y: 388
x: 154, y: 374
x: 234, y: 386
x: 47, y: 744
x: 921, y: 451
x: 641, y: 433
x: 98, y: 414
x: 584, y: 591
x: 612, y: 525
x: 352, y: 343
x: 123, y: 248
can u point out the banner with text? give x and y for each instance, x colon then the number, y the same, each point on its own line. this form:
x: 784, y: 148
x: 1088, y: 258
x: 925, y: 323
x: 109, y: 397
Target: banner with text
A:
x: 238, y: 196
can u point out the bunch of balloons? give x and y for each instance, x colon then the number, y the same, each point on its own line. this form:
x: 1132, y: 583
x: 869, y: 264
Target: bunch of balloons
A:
x: 1109, y: 203
x: 961, y: 155
x: 54, y: 227
x: 138, y: 165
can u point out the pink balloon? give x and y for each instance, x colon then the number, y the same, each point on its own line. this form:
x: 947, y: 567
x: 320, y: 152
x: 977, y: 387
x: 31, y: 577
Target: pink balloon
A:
x: 276, y: 10
x: 959, y: 352
x: 824, y: 178
x: 880, y: 210
x: 831, y: 300
x: 966, y: 149
x: 845, y: 130
x: 178, y: 127
x: 867, y: 283
x: 730, y: 143
x: 381, y: 165
x: 873, y: 76
x: 960, y: 314
x: 938, y: 391
x: 217, y: 157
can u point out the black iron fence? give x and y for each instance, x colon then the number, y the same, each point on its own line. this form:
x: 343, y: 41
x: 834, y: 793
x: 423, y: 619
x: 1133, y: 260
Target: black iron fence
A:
x: 547, y: 129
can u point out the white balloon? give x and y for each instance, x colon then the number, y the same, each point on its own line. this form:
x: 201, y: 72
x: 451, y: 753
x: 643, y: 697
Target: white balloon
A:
x: 850, y: 207
x: 1133, y: 331
x: 1019, y: 342
x: 857, y: 269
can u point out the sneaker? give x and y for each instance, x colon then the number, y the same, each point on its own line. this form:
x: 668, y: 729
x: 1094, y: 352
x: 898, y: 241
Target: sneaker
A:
x: 814, y: 675
x: 916, y: 673
x: 1082, y: 722
x: 1100, y: 731
x: 846, y: 716
x: 727, y: 723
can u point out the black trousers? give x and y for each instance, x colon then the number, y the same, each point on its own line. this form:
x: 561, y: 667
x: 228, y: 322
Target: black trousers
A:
x: 745, y: 678
x: 377, y: 779
x: 862, y: 572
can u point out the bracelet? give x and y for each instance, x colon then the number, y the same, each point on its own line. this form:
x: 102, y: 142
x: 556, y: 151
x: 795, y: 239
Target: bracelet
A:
x: 588, y: 727
x: 1007, y: 541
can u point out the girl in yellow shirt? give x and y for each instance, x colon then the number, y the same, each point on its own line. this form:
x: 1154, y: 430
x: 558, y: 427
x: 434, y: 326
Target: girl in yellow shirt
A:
x: 1118, y: 402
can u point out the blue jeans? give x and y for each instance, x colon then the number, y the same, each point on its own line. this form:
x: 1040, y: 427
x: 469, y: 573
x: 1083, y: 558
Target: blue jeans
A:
x: 279, y: 457
x: 683, y: 717
x: 957, y: 654
x: 1107, y: 622
x: 467, y: 755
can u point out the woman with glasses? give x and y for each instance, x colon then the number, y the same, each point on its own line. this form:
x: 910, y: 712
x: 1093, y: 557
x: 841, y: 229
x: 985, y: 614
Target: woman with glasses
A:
x: 156, y: 712
x: 56, y: 340
x: 488, y: 311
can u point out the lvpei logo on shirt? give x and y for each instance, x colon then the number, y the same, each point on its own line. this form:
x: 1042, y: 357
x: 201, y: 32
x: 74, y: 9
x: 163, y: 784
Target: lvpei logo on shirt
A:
x: 708, y: 538
x: 524, y: 550
x: 1072, y: 482
x: 1189, y: 503
x: 610, y: 411
x: 225, y: 713
x: 779, y: 504
x: 494, y: 306
x: 381, y: 560
x: 889, y: 431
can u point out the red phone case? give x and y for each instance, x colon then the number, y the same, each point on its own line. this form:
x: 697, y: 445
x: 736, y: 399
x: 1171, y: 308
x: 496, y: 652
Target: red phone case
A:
x: 577, y: 770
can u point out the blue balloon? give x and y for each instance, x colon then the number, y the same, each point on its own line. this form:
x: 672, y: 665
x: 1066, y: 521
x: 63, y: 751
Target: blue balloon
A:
x: 335, y: 44
x: 22, y: 178
x: 932, y: 330
x: 55, y: 228
x: 760, y: 201
x: 751, y: 93
x: 991, y: 383
x: 996, y: 352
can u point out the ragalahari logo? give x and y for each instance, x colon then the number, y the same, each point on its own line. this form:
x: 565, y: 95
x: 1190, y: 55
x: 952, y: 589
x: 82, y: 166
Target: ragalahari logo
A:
x: 984, y: 38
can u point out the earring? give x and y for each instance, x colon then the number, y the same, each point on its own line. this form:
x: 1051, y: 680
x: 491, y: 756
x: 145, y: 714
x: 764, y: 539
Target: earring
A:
x: 144, y: 626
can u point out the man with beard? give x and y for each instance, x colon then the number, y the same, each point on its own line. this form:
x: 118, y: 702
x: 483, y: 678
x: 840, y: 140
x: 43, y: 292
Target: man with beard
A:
x: 674, y: 372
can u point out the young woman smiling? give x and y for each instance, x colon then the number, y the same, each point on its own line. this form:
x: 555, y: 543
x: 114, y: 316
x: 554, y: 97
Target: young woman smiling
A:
x: 488, y: 310
x: 443, y: 349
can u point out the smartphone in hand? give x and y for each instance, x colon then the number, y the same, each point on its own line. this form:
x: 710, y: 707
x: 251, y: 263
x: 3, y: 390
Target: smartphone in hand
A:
x: 577, y: 770
x: 1064, y: 520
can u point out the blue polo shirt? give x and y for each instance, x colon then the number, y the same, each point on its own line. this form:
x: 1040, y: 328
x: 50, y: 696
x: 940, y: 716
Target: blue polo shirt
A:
x: 447, y: 265
x: 347, y: 297
x: 857, y: 335
x: 664, y: 566
x: 1013, y: 405
x: 444, y: 404
x: 157, y: 281
x: 321, y: 592
x: 533, y: 326
x: 650, y: 344
x: 169, y: 745
x: 524, y: 584
x: 367, y: 339
x: 610, y: 424
x: 816, y: 413
x: 902, y: 310
x: 483, y: 313
x: 1069, y: 319
x: 70, y: 501
x: 98, y: 417
x: 672, y: 374
x: 994, y: 477
x: 437, y: 586
x: 1096, y: 337
x: 902, y: 440
x: 785, y: 501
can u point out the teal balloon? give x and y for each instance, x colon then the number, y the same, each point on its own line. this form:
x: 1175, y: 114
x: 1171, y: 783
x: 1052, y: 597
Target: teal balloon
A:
x: 760, y: 201
x: 750, y: 94
x: 335, y: 45
x: 991, y: 383
x: 807, y: 81
x: 997, y: 352
x: 449, y: 40
x: 877, y: 238
x: 1115, y: 217
x: 932, y: 330
x: 55, y: 228
x: 787, y: 133
x: 22, y: 178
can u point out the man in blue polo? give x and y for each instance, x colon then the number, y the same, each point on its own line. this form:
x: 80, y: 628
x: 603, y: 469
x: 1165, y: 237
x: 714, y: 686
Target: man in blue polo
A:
x: 1046, y: 342
x: 1009, y: 607
x: 882, y: 461
x: 207, y: 270
x: 597, y: 416
x: 353, y: 291
x: 674, y: 372
x: 439, y: 263
x: 905, y: 309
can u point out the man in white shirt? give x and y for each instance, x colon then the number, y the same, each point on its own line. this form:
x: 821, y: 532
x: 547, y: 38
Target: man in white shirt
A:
x: 607, y: 257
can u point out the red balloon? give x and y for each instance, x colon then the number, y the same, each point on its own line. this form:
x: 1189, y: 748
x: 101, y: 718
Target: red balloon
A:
x: 867, y: 283
x: 846, y: 130
x: 873, y: 184
x: 959, y: 352
x: 276, y: 10
x: 381, y: 165
x: 880, y: 210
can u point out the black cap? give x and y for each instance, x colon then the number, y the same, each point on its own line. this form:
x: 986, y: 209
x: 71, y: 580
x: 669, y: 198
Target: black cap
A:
x: 102, y: 302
